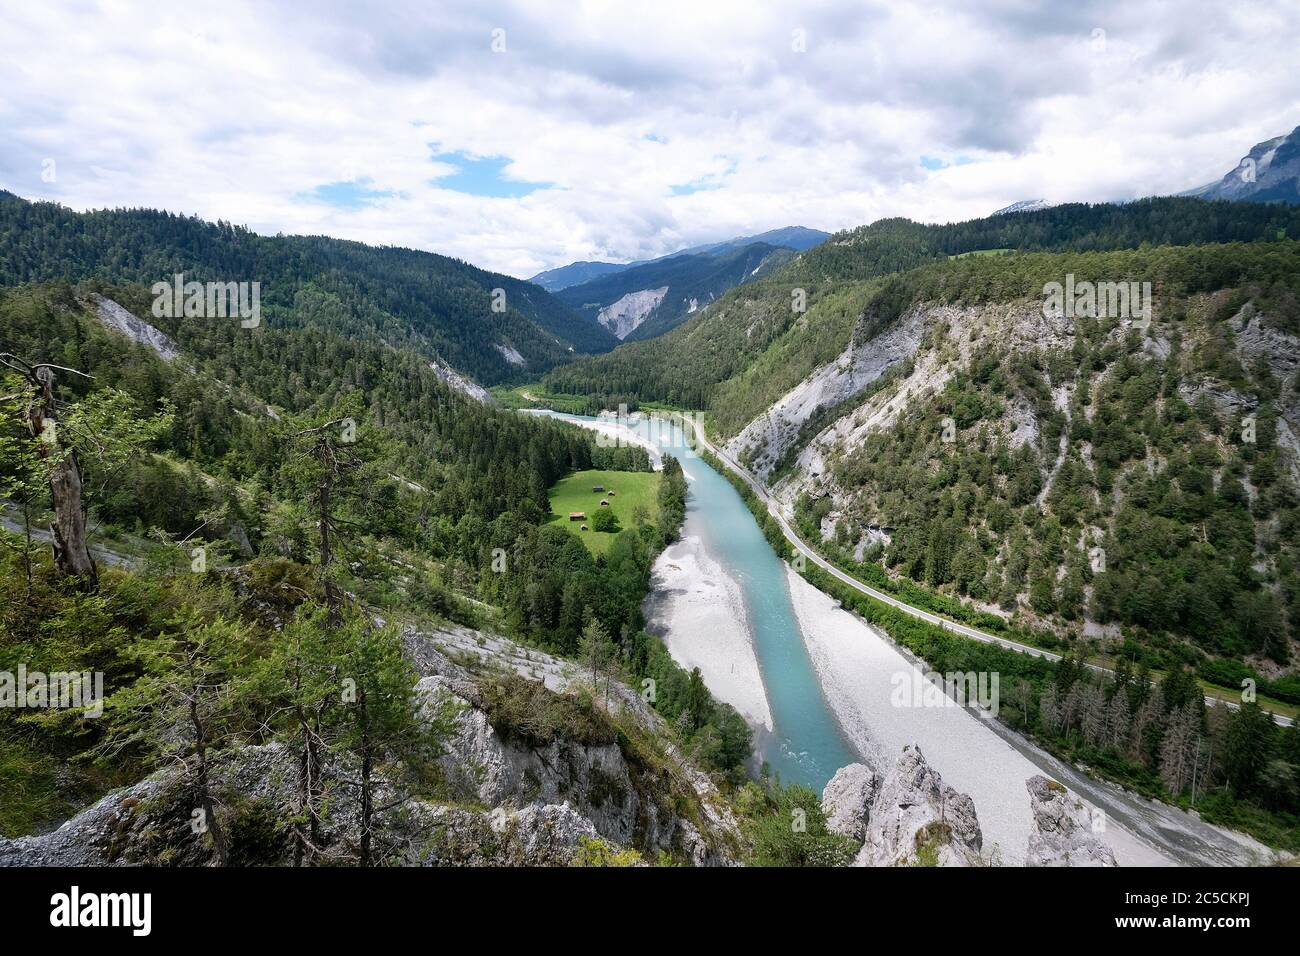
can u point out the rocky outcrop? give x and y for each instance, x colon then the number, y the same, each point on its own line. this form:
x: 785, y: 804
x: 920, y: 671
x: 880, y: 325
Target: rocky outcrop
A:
x: 531, y: 769
x: 767, y: 438
x: 931, y: 342
x: 908, y: 817
x: 524, y: 730
x: 510, y: 354
x: 1062, y: 834
x: 648, y: 805
x: 847, y: 800
x: 1270, y: 172
x: 137, y: 330
x: 151, y: 824
x: 624, y: 316
x: 466, y: 386
x: 535, y: 835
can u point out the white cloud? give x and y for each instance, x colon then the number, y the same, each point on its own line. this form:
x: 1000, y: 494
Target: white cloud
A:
x: 239, y: 111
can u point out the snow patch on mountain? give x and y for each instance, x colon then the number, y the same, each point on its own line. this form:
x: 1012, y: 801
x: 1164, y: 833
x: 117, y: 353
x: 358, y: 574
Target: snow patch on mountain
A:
x: 1024, y: 205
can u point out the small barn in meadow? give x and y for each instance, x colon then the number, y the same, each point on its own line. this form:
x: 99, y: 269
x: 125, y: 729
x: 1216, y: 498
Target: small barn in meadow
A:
x: 577, y: 516
x: 611, y: 492
x: 604, y: 502
x: 597, y: 488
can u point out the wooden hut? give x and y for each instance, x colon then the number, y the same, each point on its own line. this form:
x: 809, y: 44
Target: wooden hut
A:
x: 577, y: 516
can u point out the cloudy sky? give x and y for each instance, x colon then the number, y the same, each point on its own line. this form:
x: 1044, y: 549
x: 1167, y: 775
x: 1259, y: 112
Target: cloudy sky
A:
x: 525, y: 135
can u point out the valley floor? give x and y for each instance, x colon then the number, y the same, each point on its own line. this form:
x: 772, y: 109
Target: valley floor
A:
x: 858, y: 664
x: 697, y: 608
x: 699, y: 611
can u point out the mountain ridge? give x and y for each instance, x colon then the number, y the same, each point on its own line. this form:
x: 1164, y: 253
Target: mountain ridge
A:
x: 1269, y: 172
x: 447, y: 308
x: 681, y: 285
x: 576, y: 273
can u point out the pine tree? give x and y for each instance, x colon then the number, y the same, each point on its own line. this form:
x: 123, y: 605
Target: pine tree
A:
x: 1094, y: 715
x: 1249, y: 745
x: 182, y: 708
x: 300, y: 678
x: 1049, y: 711
x: 378, y: 719
x: 697, y: 699
x: 1146, y: 726
x: 1118, y: 721
x: 1180, y: 747
x: 598, y: 653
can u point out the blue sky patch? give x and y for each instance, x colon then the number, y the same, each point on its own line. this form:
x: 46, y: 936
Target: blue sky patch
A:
x: 933, y: 163
x: 349, y: 195
x: 483, y: 176
x: 685, y: 189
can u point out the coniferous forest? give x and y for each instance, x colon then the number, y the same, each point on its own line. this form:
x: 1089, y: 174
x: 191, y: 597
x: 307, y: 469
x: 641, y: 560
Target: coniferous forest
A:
x: 509, y: 436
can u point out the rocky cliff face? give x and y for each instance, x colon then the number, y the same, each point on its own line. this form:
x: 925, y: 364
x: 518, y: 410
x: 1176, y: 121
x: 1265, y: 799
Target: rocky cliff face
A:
x: 764, y: 440
x: 150, y: 824
x: 907, y: 817
x: 845, y: 435
x: 531, y: 774
x: 847, y: 800
x: 460, y: 383
x: 1062, y: 834
x: 523, y: 737
x: 119, y: 320
x: 625, y: 315
x: 939, y: 340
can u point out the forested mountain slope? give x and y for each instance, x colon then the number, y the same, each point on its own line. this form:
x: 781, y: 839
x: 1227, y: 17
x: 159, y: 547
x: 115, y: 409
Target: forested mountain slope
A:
x: 788, y: 237
x: 1139, y: 486
x: 1065, y: 435
x: 269, y: 490
x: 686, y: 366
x: 441, y: 307
x: 553, y: 280
x: 685, y: 284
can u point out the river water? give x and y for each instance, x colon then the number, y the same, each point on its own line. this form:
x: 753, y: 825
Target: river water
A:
x: 803, y: 736
x: 805, y: 744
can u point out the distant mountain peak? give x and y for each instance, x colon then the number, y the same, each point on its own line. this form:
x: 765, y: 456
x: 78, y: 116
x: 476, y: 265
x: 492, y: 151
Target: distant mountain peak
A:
x: 1270, y: 172
x: 797, y: 238
x: 575, y: 273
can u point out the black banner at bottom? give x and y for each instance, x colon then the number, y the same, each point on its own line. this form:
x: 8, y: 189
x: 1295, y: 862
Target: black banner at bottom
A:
x: 174, y: 905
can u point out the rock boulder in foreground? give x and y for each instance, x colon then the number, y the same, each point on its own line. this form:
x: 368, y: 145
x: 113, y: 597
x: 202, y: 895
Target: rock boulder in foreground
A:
x: 907, y: 817
x: 1062, y: 834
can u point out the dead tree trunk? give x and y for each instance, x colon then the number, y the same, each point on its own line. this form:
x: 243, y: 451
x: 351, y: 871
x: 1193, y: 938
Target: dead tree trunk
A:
x: 203, y: 786
x: 71, y: 553
x: 334, y: 463
x: 367, y: 782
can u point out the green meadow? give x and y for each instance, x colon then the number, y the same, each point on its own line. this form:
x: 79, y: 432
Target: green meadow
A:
x: 631, y: 489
